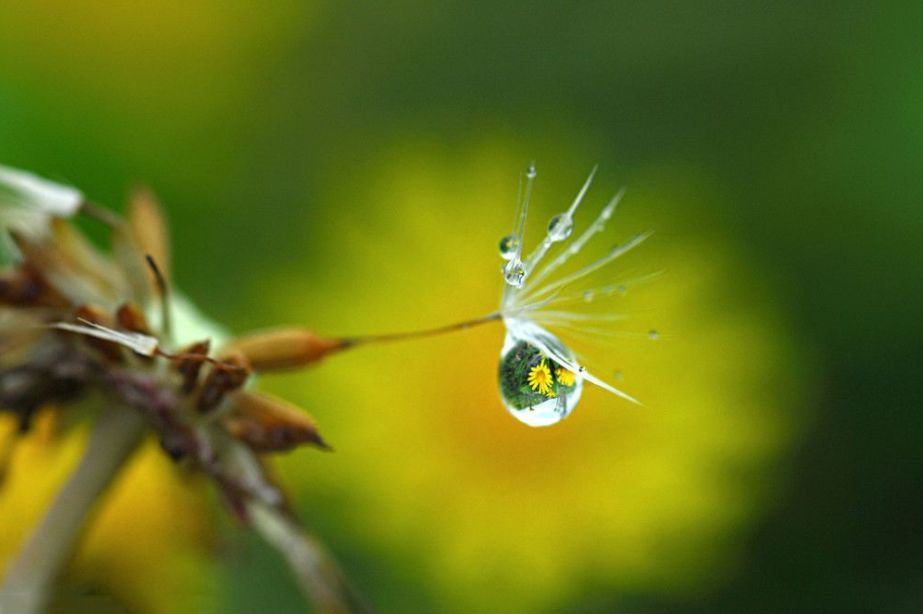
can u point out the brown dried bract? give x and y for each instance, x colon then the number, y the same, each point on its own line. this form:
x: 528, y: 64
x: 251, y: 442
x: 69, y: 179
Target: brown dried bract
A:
x: 130, y: 317
x: 283, y: 348
x: 189, y: 364
x: 25, y: 287
x: 268, y: 424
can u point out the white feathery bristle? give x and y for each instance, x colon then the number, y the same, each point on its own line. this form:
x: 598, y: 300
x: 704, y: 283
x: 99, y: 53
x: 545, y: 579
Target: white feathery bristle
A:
x: 138, y: 343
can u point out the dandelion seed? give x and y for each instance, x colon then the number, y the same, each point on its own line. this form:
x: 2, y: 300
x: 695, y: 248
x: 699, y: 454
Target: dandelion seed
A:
x: 531, y: 352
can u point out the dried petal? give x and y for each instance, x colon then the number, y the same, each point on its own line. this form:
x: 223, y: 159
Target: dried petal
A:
x: 268, y: 424
x: 29, y: 190
x: 84, y: 259
x: 149, y: 230
x: 60, y: 271
x: 284, y: 348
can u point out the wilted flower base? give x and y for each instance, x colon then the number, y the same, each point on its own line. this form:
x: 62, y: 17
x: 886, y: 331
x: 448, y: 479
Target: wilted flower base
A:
x: 535, y: 389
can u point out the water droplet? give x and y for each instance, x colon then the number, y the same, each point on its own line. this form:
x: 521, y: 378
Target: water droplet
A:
x: 509, y: 247
x: 588, y: 296
x: 618, y: 376
x: 535, y: 389
x: 653, y: 334
x: 560, y: 227
x: 582, y: 369
x: 621, y: 290
x: 514, y: 272
x: 531, y: 172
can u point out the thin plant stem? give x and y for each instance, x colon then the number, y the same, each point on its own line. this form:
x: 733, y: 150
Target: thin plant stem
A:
x: 429, y: 332
x: 31, y: 575
x: 314, y: 570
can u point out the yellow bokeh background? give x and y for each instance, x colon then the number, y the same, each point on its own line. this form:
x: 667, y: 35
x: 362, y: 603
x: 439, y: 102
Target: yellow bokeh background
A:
x: 351, y: 169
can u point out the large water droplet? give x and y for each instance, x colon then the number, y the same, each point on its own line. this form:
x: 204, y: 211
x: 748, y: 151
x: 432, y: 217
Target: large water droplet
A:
x: 560, y: 227
x: 535, y: 389
x: 509, y: 247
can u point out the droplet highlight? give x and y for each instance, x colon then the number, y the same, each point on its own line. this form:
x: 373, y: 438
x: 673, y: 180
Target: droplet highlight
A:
x: 509, y: 247
x: 560, y: 227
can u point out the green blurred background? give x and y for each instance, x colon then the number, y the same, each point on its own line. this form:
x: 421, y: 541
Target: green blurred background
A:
x: 350, y: 167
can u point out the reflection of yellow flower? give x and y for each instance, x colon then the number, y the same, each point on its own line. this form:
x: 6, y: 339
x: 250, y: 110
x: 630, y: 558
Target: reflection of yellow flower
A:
x: 565, y: 377
x: 632, y: 495
x: 540, y: 378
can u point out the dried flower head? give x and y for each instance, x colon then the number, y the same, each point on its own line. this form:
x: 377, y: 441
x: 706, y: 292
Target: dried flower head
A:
x: 76, y: 321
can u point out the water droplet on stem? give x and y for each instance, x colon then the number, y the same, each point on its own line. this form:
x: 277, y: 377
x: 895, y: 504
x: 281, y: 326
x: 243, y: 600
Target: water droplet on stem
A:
x: 509, y: 247
x: 560, y: 227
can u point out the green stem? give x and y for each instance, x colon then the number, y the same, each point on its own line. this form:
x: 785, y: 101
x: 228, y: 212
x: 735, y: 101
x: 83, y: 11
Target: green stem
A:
x: 31, y: 575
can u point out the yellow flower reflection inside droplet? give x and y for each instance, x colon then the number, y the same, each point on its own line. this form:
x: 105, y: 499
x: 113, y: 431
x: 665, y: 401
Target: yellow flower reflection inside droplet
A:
x: 540, y: 378
x: 565, y: 377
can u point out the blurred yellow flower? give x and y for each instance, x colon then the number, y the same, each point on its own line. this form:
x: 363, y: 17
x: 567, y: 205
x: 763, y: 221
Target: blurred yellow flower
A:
x: 147, y: 545
x: 618, y: 496
x: 540, y: 378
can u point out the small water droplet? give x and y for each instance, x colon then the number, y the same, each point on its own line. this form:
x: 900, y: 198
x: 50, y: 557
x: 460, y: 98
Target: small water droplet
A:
x: 535, y: 389
x: 514, y: 273
x: 582, y: 369
x: 621, y: 290
x: 509, y: 247
x: 531, y: 172
x: 560, y: 227
x: 618, y: 376
x: 653, y: 334
x: 588, y: 296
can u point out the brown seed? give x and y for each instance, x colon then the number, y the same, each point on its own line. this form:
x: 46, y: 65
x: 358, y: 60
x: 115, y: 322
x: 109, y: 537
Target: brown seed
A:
x: 130, y: 317
x: 24, y: 287
x: 268, y: 424
x: 225, y: 376
x: 283, y: 348
x: 189, y: 364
